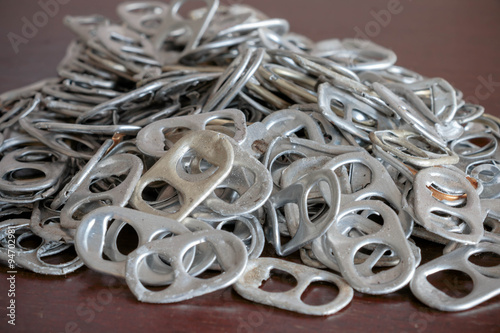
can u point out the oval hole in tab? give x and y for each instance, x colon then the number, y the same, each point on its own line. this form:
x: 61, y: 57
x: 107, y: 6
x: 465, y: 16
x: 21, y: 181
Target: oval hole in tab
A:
x: 319, y: 293
x: 453, y: 283
x: 485, y: 259
x: 65, y: 256
x: 279, y: 281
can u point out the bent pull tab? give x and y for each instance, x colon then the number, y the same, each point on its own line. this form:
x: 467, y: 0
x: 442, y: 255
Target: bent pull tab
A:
x: 328, y: 93
x: 127, y: 45
x: 143, y: 17
x: 392, y: 141
x: 298, y: 193
x: 194, y: 29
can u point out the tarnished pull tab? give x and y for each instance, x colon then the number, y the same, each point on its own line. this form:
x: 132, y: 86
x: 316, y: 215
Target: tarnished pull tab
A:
x: 328, y: 93
x: 127, y: 44
x: 356, y: 54
x: 22, y: 108
x: 144, y: 17
x: 486, y: 279
x: 213, y: 147
x: 245, y: 227
x: 375, y: 183
x: 32, y: 258
x: 390, y: 234
x: 45, y: 222
x: 151, y: 139
x: 287, y: 122
x: 487, y: 173
x: 58, y: 141
x: 84, y: 200
x: 475, y: 147
x: 231, y: 256
x: 236, y: 76
x: 260, y: 269
x: 193, y: 30
x: 85, y: 27
x: 97, y: 236
x: 394, y: 140
x: 409, y: 114
x: 441, y: 95
x: 249, y: 179
x: 34, y: 172
x: 446, y: 204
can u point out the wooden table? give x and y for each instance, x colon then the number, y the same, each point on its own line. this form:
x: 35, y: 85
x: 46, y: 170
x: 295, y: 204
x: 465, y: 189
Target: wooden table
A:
x: 456, y: 40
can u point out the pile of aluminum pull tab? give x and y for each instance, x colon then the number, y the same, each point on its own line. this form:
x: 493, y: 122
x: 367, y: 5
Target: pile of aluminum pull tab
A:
x: 215, y: 133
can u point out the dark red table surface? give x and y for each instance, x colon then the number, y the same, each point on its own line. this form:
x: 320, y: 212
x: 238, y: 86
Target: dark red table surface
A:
x: 455, y: 40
